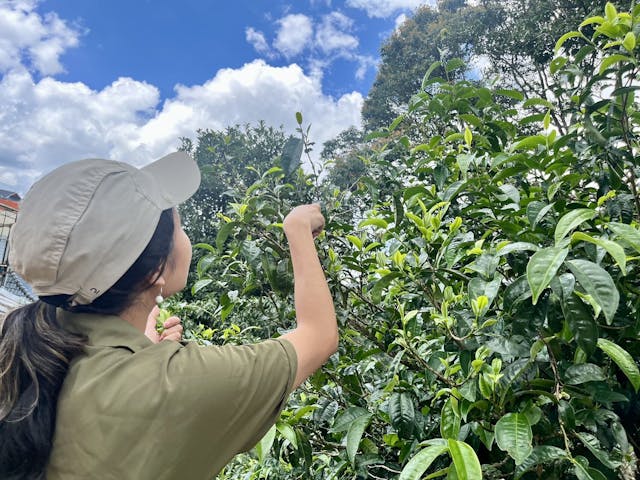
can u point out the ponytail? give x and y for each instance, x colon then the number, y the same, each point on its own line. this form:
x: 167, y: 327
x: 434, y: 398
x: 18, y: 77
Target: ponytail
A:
x: 35, y: 352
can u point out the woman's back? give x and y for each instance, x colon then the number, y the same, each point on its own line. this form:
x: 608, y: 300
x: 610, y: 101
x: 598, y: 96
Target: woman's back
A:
x: 131, y: 409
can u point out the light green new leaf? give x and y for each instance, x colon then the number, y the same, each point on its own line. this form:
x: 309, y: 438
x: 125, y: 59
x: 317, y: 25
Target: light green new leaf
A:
x: 377, y: 222
x: 542, y: 267
x: 414, y: 469
x: 612, y: 248
x: 465, y: 460
x: 566, y: 37
x: 571, y: 220
x: 612, y: 60
x: 264, y: 445
x: 624, y: 361
x: 514, y: 436
x: 354, y: 435
x: 597, y: 282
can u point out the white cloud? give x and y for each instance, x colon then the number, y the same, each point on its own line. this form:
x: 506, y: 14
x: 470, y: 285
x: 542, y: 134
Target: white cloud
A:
x: 257, y: 39
x: 332, y: 33
x: 44, y: 124
x: 400, y: 19
x: 26, y: 38
x: 386, y: 8
x: 294, y: 34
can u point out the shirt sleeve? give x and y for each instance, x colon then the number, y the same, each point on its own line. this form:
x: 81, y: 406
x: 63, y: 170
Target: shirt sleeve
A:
x: 226, y: 398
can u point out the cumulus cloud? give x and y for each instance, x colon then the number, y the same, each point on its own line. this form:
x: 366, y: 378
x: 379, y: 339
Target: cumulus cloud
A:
x: 332, y: 33
x: 29, y: 39
x: 49, y: 122
x: 295, y: 32
x: 257, y: 39
x: 322, y: 41
x: 386, y: 8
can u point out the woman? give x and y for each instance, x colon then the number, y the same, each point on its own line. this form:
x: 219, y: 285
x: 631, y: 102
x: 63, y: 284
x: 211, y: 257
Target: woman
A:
x: 83, y: 392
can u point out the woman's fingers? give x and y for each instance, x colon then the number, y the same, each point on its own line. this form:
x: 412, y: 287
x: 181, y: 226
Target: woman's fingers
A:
x: 172, y: 330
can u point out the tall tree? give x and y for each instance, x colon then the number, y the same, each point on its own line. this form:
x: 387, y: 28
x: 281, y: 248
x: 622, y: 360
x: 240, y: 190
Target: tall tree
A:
x: 512, y: 39
x: 229, y: 158
x: 421, y: 40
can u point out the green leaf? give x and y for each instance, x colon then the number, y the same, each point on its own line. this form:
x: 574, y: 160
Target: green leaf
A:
x: 454, y: 64
x: 517, y: 247
x: 566, y: 37
x: 288, y: 433
x: 346, y: 418
x: 624, y: 361
x: 354, y: 435
x: 612, y: 248
x: 468, y: 136
x: 612, y: 60
x: 432, y: 67
x: 356, y: 241
x: 542, y: 267
x: 422, y: 460
x: 223, y: 234
x: 610, y: 11
x: 582, y: 373
x: 200, y: 284
x: 378, y: 222
x: 264, y: 445
x: 571, y: 220
x: 204, y: 246
x: 380, y: 285
x: 465, y: 460
x: 629, y: 41
x: 529, y: 143
x: 449, y: 420
x: 581, y: 322
x: 291, y: 155
x: 299, y: 118
x: 514, y: 436
x: 539, y: 455
x: 627, y: 233
x: 597, y: 282
x: 402, y: 413
x: 593, y: 444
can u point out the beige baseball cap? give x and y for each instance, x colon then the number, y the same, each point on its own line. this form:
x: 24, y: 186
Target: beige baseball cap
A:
x: 83, y: 225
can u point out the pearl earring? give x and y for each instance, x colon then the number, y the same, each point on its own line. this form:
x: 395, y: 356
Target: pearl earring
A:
x: 160, y: 298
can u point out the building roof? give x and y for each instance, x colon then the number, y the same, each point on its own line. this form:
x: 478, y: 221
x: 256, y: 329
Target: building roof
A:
x: 11, y: 204
x: 9, y: 195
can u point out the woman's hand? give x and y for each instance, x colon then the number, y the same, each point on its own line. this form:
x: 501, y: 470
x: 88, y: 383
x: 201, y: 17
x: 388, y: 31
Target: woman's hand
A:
x: 172, y: 328
x: 304, y: 218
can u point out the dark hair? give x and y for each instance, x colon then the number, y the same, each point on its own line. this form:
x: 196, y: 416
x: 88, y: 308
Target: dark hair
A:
x: 35, y: 353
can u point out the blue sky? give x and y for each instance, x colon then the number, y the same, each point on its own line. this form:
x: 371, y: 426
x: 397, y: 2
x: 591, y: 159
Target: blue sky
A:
x: 125, y: 79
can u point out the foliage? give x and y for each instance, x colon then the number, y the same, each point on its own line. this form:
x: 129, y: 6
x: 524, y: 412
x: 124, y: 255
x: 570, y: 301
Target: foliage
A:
x: 488, y: 297
x: 507, y: 41
x: 227, y: 159
x: 405, y: 56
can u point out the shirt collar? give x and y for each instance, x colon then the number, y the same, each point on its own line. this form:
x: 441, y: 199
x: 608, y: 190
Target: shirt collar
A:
x: 104, y: 330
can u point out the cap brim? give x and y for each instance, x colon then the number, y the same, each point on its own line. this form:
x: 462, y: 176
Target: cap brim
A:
x: 177, y: 174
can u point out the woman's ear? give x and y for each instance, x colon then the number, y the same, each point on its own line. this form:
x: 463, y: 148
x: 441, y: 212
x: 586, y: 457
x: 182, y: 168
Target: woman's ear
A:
x: 159, y: 281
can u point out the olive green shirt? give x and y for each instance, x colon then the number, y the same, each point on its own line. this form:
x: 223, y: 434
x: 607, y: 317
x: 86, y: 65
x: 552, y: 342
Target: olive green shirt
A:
x: 131, y: 409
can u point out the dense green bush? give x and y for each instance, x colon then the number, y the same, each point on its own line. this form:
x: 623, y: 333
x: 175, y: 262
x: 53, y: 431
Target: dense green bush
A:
x: 487, y: 288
